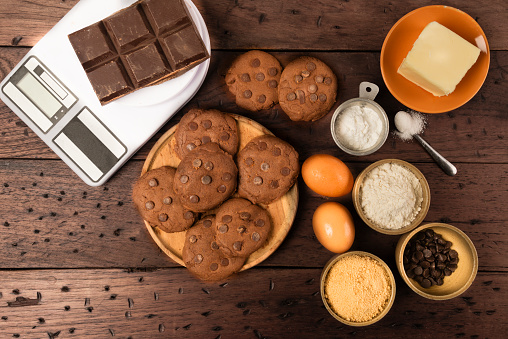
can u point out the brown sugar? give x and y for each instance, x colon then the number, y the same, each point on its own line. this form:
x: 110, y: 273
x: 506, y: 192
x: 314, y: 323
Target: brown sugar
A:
x: 357, y: 288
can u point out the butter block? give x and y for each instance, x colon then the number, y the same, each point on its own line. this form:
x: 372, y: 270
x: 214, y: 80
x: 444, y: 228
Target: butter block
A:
x: 439, y: 60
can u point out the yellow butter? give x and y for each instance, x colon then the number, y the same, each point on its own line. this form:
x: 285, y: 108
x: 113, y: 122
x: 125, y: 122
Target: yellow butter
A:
x: 438, y: 60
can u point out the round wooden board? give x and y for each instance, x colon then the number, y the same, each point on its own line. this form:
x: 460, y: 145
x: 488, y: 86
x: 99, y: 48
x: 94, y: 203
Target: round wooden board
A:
x: 282, y: 211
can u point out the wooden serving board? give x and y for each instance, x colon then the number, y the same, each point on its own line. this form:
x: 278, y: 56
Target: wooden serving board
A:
x: 282, y: 211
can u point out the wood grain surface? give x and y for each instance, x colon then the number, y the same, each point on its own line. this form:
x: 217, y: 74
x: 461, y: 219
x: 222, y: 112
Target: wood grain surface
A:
x: 77, y: 262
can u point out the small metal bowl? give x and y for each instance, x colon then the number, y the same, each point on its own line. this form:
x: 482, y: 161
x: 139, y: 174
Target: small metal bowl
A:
x: 425, y: 192
x: 324, y: 275
x: 368, y: 92
x: 460, y: 280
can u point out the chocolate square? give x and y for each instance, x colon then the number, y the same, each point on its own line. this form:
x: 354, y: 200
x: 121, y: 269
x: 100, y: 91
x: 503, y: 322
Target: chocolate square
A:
x: 147, y: 64
x: 92, y: 45
x: 184, y: 47
x: 166, y: 15
x: 110, y: 80
x: 128, y: 28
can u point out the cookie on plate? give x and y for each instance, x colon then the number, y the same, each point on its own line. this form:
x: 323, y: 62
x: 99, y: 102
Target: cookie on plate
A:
x: 158, y: 204
x: 267, y: 168
x: 204, y: 257
x: 198, y: 127
x: 242, y: 227
x: 205, y: 178
x: 307, y: 90
x: 254, y: 79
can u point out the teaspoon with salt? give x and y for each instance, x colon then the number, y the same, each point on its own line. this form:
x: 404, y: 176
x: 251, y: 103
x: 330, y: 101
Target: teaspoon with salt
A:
x: 409, y: 126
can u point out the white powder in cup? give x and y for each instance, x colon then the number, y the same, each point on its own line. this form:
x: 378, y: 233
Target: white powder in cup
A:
x: 358, y: 128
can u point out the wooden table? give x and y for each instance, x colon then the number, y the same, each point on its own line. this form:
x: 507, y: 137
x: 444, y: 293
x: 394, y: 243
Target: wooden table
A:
x: 77, y: 261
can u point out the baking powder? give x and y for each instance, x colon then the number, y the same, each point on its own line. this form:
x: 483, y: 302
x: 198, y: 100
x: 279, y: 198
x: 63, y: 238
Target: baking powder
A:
x: 391, y: 196
x: 409, y: 124
x: 358, y: 128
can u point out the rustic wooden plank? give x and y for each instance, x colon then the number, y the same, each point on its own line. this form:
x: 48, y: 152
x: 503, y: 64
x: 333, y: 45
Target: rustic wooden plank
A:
x: 50, y: 218
x: 270, y: 303
x: 472, y: 133
x: 321, y: 25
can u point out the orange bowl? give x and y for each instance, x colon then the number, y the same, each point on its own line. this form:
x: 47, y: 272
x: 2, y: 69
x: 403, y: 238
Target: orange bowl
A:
x: 400, y: 40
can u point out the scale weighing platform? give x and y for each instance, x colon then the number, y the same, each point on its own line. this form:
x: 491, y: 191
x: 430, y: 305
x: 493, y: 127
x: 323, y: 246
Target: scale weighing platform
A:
x: 50, y: 92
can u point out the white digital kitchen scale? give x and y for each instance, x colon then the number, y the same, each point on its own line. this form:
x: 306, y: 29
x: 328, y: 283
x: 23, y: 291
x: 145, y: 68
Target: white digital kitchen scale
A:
x: 51, y: 93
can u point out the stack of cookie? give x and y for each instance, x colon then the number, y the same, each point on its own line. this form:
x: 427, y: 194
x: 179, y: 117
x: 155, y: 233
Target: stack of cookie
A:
x: 306, y: 89
x: 210, y: 173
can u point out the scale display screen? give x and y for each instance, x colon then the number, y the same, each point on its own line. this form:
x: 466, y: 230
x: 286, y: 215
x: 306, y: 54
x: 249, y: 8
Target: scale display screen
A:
x: 38, y: 94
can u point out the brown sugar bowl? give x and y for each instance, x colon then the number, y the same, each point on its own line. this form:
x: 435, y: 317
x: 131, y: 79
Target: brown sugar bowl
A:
x: 460, y: 280
x: 352, y: 262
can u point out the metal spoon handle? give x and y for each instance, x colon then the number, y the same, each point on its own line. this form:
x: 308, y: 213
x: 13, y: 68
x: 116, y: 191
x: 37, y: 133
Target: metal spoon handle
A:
x: 445, y: 165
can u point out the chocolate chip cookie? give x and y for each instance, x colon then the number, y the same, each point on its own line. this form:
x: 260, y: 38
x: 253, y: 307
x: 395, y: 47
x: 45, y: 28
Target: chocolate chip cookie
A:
x: 254, y: 79
x: 205, y: 178
x: 242, y: 227
x: 158, y: 204
x: 267, y: 168
x: 307, y: 89
x: 198, y: 127
x: 204, y: 257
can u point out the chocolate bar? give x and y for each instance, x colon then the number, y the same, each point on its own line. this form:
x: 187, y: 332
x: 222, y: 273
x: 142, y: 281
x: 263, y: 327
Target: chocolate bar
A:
x: 144, y: 44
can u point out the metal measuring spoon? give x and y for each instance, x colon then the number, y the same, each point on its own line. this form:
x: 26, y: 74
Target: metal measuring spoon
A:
x: 445, y: 165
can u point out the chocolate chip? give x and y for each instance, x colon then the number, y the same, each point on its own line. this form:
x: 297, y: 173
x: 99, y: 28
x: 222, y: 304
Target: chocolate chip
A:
x: 167, y: 201
x: 319, y: 79
x: 272, y: 83
x: 227, y: 219
x: 298, y: 79
x: 245, y: 215
x: 260, y: 76
x: 249, y: 161
x: 262, y: 145
x: 223, y: 228
x: 312, y: 88
x: 276, y: 151
x: 207, y: 223
x: 198, y: 259
x: 255, y: 63
x: 245, y: 77
x: 241, y: 229
x: 209, y: 165
x: 247, y: 94
x: 193, y: 126
x: 255, y: 236
x: 221, y: 189
x: 224, y: 136
x: 193, y: 239
x: 190, y: 146
x: 163, y: 217
x: 260, y: 223
x: 311, y: 66
x: 214, y: 246
x: 274, y: 184
x: 237, y: 246
x: 206, y: 124
x: 153, y: 182
x: 227, y: 176
x: 214, y: 266
x: 149, y: 205
x: 262, y: 98
x: 426, y: 283
x: 194, y: 199
x: 206, y: 180
x: 301, y: 96
x: 313, y: 97
x: 272, y: 71
x: 184, y: 179
x: 224, y: 262
x: 305, y: 74
x: 453, y: 254
x: 257, y: 181
x: 291, y: 96
x: 196, y: 163
x: 418, y: 270
x: 188, y: 215
x: 322, y: 97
